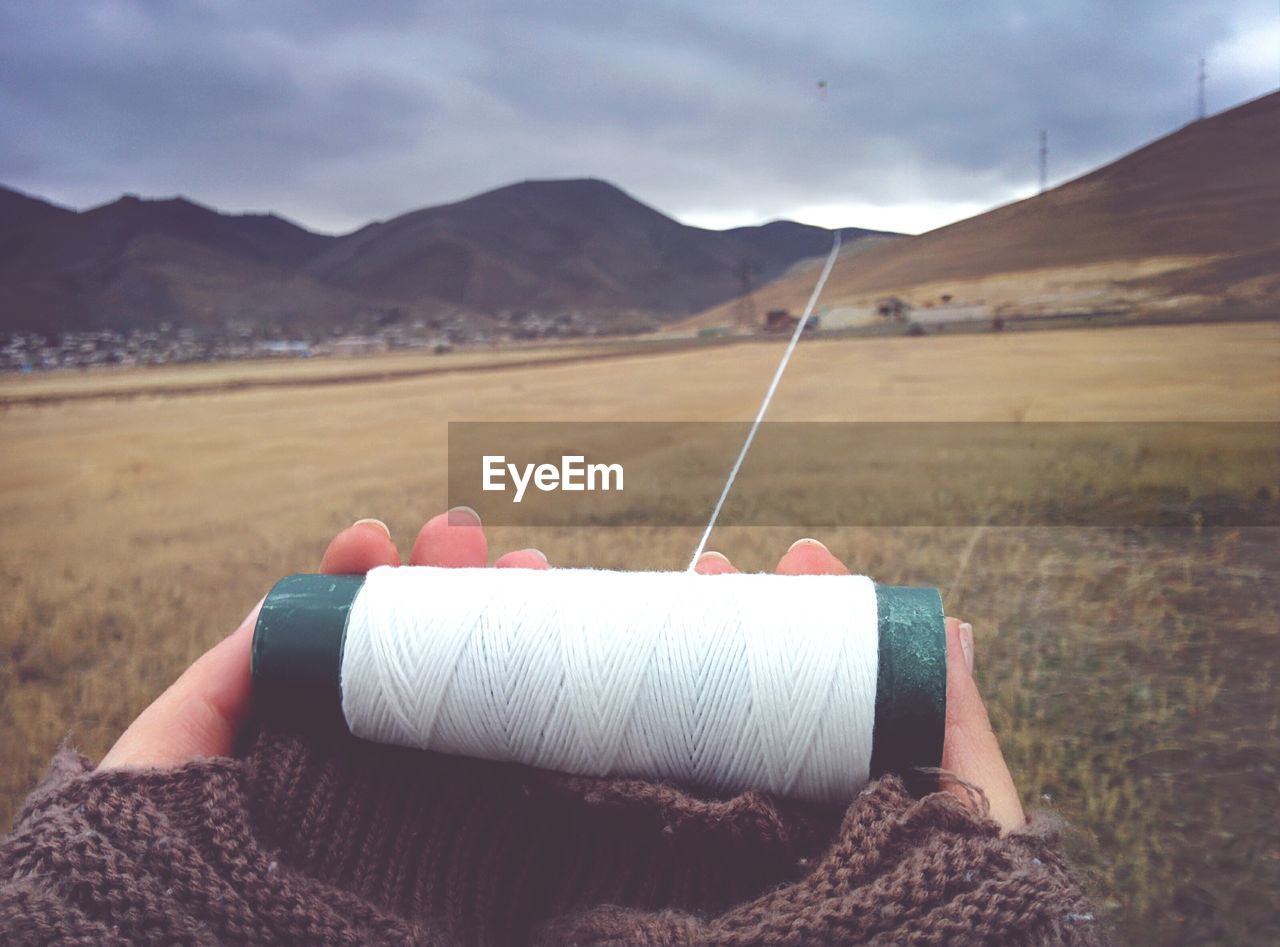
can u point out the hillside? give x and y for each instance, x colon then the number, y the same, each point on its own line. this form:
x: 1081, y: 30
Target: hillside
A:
x: 546, y: 247
x: 550, y: 246
x: 21, y: 214
x: 1186, y: 222
x: 135, y: 263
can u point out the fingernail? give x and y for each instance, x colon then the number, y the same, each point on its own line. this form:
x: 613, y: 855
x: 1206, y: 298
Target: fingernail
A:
x: 966, y: 644
x: 808, y: 542
x: 370, y: 521
x: 712, y: 554
x: 463, y: 516
x: 540, y: 554
x: 252, y: 617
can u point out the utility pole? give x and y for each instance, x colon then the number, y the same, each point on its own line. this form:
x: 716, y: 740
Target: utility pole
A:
x: 1044, y: 161
x: 1200, y: 89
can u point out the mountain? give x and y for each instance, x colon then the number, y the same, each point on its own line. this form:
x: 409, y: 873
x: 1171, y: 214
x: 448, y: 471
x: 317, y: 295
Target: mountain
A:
x: 545, y: 247
x: 21, y: 214
x: 256, y: 238
x: 1188, y: 222
x: 137, y: 262
x: 782, y: 238
x: 551, y: 246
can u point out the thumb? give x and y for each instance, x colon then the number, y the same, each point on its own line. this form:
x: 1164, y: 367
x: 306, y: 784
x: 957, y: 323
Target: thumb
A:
x: 969, y: 749
x: 201, y: 712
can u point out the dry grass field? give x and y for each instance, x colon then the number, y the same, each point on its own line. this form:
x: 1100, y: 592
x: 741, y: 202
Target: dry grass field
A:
x: 1131, y: 672
x: 116, y: 382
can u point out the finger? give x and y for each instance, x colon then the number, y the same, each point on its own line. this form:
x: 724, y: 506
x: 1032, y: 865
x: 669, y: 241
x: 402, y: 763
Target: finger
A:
x: 810, y: 557
x: 714, y: 563
x: 454, y: 540
x: 522, y: 559
x: 364, y: 545
x: 969, y: 748
x: 199, y: 715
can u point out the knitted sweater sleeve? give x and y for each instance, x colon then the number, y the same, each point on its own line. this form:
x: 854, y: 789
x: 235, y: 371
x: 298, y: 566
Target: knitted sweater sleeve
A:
x: 899, y: 871
x: 163, y: 857
x: 337, y: 842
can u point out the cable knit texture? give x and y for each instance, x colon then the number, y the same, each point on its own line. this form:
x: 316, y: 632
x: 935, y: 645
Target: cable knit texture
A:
x: 303, y: 839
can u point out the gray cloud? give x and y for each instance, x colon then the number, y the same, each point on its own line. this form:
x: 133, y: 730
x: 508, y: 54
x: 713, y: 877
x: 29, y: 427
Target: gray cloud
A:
x: 335, y: 113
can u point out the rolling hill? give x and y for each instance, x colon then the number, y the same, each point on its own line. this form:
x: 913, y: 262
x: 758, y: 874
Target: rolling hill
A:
x: 135, y: 263
x: 556, y: 245
x: 1188, y: 222
x: 543, y: 247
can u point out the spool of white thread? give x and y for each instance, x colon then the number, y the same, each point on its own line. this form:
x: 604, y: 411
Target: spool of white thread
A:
x: 803, y: 686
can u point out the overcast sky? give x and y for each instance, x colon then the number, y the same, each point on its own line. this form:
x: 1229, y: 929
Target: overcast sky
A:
x: 336, y: 113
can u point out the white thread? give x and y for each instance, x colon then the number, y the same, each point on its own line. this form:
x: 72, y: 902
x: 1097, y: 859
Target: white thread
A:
x: 768, y: 397
x: 730, y: 683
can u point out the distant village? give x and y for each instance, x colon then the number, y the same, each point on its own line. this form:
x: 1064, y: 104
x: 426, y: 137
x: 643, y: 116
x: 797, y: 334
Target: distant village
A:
x: 170, y: 344
x: 375, y: 333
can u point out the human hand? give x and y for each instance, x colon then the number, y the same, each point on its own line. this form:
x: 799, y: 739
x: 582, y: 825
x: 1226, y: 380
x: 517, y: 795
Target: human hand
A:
x: 201, y: 713
x: 969, y: 748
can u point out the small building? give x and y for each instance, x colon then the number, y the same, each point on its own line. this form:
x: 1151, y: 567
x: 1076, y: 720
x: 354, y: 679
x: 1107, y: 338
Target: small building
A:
x: 780, y: 320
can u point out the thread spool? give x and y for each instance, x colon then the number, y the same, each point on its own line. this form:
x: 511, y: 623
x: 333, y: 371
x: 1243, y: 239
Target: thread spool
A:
x: 803, y: 686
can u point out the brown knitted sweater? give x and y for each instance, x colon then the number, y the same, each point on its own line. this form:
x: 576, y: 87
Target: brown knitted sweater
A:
x: 303, y: 840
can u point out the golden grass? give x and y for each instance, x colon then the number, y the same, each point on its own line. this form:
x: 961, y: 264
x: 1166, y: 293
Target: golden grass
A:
x: 1129, y: 672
